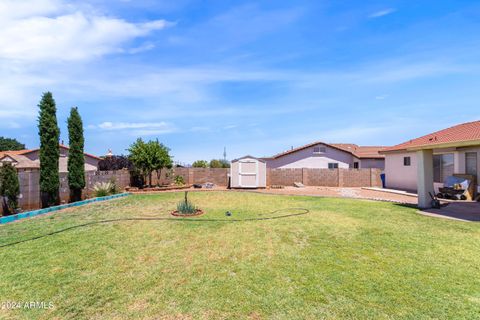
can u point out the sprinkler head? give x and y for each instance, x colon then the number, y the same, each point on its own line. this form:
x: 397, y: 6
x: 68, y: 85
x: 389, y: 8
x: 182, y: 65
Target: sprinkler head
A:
x: 228, y: 213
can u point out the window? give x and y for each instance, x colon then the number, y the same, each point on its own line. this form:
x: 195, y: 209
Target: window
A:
x: 406, y: 161
x: 319, y: 149
x: 442, y: 167
x: 355, y: 165
x: 332, y: 165
x: 471, y: 163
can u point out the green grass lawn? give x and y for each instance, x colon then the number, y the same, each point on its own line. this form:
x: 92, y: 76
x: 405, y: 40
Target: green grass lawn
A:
x: 345, y: 259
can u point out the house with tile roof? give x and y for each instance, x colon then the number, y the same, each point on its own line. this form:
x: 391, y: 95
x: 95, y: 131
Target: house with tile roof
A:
x: 30, y: 159
x: 321, y: 155
x: 422, y: 164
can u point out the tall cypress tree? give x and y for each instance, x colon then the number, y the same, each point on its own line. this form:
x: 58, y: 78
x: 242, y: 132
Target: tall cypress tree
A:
x: 49, y: 151
x: 76, y: 160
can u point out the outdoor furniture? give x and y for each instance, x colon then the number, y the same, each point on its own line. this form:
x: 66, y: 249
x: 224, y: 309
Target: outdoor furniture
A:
x: 458, y: 187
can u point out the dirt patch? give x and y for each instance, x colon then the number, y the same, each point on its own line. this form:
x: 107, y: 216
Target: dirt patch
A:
x: 198, y: 212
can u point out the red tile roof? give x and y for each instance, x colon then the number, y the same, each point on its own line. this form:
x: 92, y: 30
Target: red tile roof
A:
x: 13, y: 152
x: 361, y: 152
x: 462, y: 133
x: 20, y: 161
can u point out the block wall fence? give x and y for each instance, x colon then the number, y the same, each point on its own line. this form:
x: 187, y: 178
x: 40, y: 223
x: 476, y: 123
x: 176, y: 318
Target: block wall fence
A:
x: 30, y: 189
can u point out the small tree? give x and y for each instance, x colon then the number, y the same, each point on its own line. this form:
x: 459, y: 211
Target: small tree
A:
x: 161, y: 158
x: 49, y: 151
x: 219, y: 163
x: 214, y: 163
x: 76, y: 158
x: 225, y: 163
x: 9, y: 188
x: 148, y: 157
x: 200, y: 164
x: 8, y: 144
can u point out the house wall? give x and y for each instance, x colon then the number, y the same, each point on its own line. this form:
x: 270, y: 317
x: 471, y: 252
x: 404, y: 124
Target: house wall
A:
x: 307, y: 159
x: 91, y: 164
x: 372, y: 163
x: 398, y: 176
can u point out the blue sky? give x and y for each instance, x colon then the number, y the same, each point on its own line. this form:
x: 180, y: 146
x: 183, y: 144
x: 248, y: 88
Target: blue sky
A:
x: 255, y: 76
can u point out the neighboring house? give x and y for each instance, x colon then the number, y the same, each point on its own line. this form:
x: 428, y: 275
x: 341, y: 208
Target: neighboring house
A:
x: 18, y: 160
x: 329, y: 155
x: 422, y: 164
x: 29, y: 159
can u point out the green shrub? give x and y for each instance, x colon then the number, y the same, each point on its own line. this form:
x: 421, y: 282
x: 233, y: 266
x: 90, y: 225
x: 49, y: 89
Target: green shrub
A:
x: 179, y: 181
x: 114, y: 189
x: 9, y: 188
x: 186, y: 207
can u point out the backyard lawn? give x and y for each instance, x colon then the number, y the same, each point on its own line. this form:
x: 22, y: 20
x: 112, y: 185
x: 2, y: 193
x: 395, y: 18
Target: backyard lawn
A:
x: 345, y: 258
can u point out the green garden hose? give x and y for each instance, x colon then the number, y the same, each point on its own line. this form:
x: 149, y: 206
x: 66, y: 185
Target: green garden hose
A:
x: 302, y: 211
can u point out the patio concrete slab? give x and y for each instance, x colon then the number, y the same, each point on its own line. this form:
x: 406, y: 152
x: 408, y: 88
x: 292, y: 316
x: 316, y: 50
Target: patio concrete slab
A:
x: 463, y: 211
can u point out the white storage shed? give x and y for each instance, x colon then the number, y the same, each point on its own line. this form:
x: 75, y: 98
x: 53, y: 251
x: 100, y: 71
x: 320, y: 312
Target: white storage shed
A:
x: 248, y: 172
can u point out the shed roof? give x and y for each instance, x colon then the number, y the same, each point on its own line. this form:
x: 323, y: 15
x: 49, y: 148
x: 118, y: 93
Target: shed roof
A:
x: 248, y: 157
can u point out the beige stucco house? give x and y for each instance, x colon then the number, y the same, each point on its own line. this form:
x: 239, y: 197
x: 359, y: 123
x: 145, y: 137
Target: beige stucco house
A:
x: 30, y: 159
x: 321, y: 155
x: 422, y: 164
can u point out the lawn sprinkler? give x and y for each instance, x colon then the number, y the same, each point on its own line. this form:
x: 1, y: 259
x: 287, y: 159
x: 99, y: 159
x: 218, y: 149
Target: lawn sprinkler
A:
x: 228, y: 214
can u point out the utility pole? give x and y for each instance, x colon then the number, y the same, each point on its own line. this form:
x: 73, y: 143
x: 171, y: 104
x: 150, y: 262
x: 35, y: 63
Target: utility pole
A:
x: 225, y: 153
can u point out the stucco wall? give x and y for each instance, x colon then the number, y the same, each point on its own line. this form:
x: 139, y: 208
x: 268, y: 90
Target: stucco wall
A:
x: 372, y: 163
x: 307, y: 159
x: 398, y: 176
x: 405, y: 178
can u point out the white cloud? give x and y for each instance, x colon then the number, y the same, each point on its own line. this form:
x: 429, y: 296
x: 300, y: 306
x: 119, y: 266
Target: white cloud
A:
x: 136, y: 128
x: 38, y: 30
x: 382, y: 13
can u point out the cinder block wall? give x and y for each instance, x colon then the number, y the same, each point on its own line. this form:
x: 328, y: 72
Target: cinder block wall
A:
x: 30, y: 185
x: 325, y: 177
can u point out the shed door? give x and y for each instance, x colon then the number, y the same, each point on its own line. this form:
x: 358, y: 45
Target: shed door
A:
x: 248, y: 173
